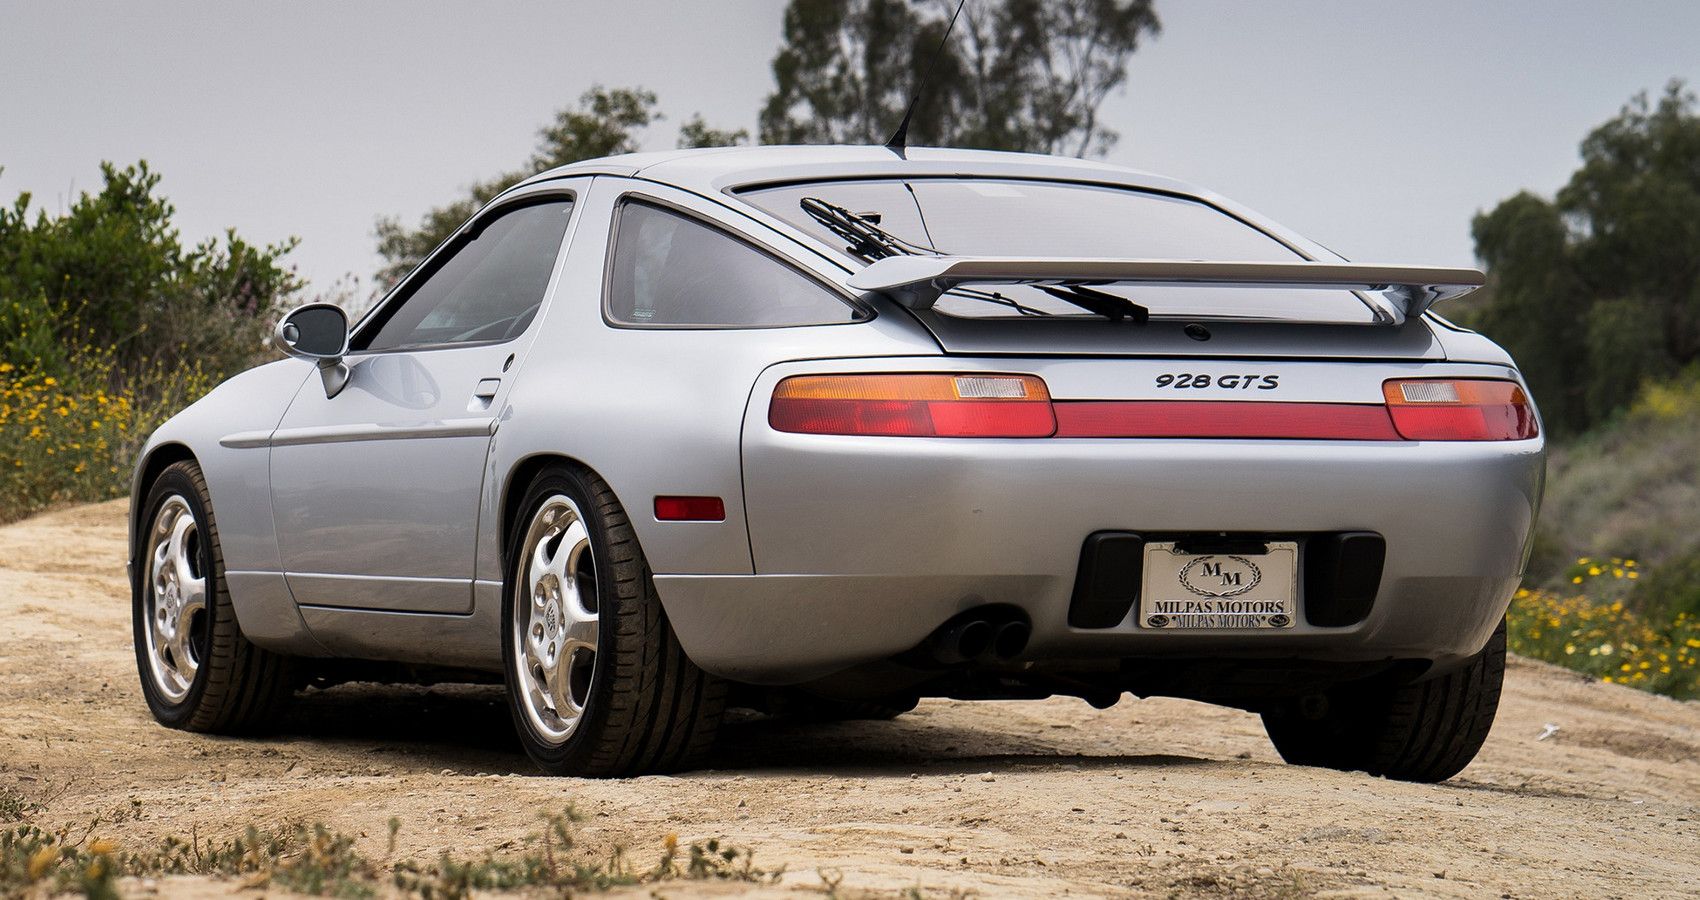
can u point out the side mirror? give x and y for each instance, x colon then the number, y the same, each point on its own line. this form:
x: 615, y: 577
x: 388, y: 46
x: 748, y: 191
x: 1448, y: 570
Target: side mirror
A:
x: 319, y: 332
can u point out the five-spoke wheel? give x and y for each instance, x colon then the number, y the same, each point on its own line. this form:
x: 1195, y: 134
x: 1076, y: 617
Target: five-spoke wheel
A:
x: 177, y: 602
x: 198, y: 670
x: 597, y: 682
x: 555, y: 634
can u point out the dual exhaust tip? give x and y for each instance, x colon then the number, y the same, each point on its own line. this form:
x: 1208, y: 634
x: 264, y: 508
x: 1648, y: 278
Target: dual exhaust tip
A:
x: 981, y: 636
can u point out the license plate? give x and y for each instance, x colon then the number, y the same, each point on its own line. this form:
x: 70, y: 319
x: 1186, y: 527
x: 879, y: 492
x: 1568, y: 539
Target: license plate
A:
x: 1215, y: 591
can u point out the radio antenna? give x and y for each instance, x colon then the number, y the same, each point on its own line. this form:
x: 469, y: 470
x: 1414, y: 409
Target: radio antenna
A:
x: 900, y: 139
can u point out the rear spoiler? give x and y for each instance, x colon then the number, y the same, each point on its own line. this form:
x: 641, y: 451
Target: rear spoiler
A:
x: 1404, y: 291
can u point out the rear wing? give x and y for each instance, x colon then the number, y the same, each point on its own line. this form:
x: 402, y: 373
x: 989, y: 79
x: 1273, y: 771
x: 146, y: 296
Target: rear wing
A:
x: 1402, y: 291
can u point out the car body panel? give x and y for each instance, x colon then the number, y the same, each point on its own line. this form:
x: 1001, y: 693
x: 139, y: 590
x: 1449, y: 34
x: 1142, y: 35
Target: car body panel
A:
x: 835, y: 551
x: 218, y: 431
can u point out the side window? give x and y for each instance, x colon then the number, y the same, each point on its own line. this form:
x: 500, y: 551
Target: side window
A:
x: 487, y: 290
x: 671, y: 269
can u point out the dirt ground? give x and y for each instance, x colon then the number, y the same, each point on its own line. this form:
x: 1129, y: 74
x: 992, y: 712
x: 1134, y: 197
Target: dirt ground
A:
x: 1036, y: 799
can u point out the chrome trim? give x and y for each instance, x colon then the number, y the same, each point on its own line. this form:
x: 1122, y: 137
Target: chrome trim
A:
x: 343, y: 434
x: 246, y: 440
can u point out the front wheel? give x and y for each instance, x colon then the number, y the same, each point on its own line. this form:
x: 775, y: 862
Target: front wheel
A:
x: 1427, y: 731
x: 597, y: 683
x: 199, y: 673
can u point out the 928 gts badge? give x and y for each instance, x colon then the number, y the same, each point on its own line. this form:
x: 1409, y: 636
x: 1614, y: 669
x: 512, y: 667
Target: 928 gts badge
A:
x: 1232, y: 382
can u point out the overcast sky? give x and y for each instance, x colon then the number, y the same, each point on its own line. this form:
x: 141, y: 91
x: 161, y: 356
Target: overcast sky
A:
x: 1376, y: 127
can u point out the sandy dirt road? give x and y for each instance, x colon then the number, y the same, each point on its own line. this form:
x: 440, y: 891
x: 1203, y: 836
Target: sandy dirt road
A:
x: 1156, y: 797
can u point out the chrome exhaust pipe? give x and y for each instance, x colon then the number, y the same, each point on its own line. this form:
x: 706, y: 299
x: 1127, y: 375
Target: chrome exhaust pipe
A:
x: 962, y: 641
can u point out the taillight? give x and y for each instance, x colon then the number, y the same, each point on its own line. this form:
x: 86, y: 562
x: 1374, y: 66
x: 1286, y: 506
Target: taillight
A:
x: 1459, y: 409
x: 910, y: 405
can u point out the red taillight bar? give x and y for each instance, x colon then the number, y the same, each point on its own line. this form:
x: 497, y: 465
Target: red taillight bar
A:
x: 1224, y: 419
x: 995, y: 405
x: 978, y: 405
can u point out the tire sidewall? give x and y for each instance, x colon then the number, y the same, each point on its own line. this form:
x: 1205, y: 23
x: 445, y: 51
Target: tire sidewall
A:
x: 575, y: 751
x: 174, y: 481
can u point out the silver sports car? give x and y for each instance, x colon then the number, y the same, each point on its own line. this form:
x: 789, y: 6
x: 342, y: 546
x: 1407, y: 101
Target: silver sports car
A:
x: 824, y: 430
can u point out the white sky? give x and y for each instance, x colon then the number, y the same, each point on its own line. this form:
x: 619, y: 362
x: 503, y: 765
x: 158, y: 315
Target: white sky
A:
x: 1376, y: 127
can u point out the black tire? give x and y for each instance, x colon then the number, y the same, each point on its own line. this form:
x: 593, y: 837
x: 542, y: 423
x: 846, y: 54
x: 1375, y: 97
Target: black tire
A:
x: 648, y: 708
x: 236, y: 687
x: 1427, y: 731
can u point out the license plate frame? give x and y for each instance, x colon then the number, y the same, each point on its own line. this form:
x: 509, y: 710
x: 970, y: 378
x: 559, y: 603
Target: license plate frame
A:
x: 1219, y: 591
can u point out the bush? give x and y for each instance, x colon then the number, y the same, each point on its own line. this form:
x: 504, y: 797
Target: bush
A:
x: 108, y: 325
x: 1630, y: 488
x: 1672, y: 588
x: 72, y: 437
x: 113, y: 271
x: 1606, y: 639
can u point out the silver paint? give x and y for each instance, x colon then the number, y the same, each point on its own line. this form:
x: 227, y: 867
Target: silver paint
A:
x: 371, y: 524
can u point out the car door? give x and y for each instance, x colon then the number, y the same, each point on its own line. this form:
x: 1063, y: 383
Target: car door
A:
x: 375, y: 490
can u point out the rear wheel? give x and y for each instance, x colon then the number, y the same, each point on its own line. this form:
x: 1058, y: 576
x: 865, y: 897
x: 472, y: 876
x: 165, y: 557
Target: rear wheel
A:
x: 597, y: 682
x: 1426, y: 731
x: 199, y: 673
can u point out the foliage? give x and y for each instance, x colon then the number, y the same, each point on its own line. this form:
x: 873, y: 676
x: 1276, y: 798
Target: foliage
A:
x: 554, y: 864
x: 1598, y: 290
x: 319, y: 861
x: 1672, y: 588
x: 109, y: 324
x: 72, y: 437
x: 698, y: 133
x: 1628, y: 488
x: 1016, y: 75
x: 112, y: 270
x: 605, y: 122
x: 14, y: 807
x: 1607, y: 639
x: 35, y: 862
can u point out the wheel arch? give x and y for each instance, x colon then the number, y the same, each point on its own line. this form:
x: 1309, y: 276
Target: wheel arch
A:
x: 148, y: 469
x: 520, y: 475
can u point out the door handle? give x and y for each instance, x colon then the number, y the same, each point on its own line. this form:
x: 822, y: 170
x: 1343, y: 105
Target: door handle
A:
x: 487, y: 388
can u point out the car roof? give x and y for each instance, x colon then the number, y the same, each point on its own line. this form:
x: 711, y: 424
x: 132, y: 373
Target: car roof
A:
x: 720, y: 169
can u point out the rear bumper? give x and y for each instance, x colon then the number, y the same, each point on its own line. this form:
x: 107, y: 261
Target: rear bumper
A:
x: 865, y: 545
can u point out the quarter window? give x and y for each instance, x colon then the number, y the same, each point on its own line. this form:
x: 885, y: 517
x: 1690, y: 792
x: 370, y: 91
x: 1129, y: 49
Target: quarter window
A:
x: 671, y: 269
x: 487, y: 290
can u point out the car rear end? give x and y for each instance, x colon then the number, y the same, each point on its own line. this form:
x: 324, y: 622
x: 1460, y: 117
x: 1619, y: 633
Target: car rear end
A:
x: 1078, y: 507
x: 1192, y: 503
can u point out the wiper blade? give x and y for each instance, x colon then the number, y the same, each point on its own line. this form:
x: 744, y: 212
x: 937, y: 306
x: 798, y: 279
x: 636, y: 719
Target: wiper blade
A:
x: 1108, y: 305
x: 867, y: 240
x: 995, y: 297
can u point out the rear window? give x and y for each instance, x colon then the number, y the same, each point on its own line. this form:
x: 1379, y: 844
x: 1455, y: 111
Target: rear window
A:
x: 1013, y: 217
x: 671, y: 269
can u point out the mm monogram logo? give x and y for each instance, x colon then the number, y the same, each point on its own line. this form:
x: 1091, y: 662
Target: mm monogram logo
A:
x: 1228, y: 579
x: 1220, y: 576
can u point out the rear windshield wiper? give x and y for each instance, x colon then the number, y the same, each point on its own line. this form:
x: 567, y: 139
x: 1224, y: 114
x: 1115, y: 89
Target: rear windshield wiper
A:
x: 869, y: 242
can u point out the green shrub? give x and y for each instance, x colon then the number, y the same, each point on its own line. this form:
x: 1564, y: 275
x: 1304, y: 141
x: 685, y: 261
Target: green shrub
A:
x: 1672, y: 588
x: 1658, y: 652
x: 112, y: 271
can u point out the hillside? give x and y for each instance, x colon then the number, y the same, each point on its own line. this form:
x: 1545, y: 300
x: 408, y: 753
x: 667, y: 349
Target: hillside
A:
x: 1630, y: 489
